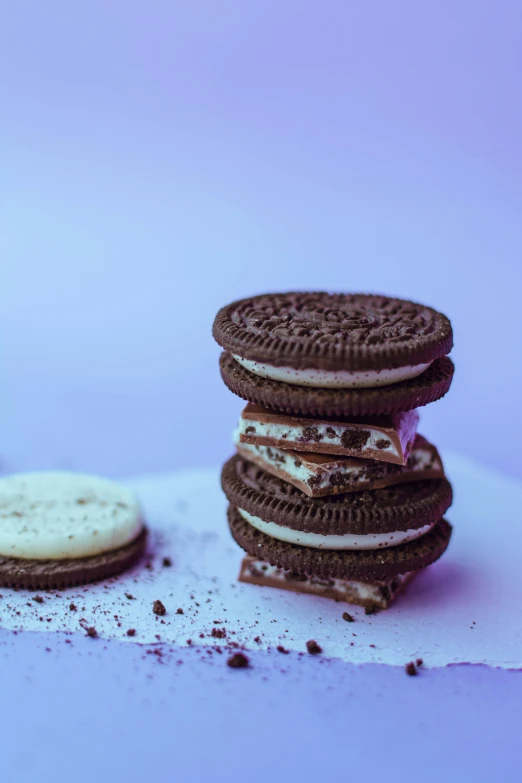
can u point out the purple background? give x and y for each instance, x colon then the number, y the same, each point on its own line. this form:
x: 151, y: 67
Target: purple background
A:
x: 161, y: 159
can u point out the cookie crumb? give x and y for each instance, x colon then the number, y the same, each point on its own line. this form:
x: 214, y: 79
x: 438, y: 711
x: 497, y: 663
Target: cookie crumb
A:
x: 38, y: 599
x: 158, y: 608
x: 348, y: 617
x: 410, y: 669
x: 238, y: 661
x: 282, y: 649
x: 91, y: 631
x: 73, y: 607
x: 167, y: 562
x: 131, y: 632
x: 313, y: 648
x: 419, y: 662
x: 129, y: 596
x: 218, y: 633
x: 179, y: 610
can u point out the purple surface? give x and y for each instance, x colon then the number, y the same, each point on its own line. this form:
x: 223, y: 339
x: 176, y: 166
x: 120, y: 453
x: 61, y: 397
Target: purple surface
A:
x: 94, y: 710
x: 164, y: 153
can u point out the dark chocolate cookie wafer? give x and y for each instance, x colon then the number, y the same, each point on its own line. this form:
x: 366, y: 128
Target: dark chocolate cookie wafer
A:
x: 364, y: 565
x: 428, y: 387
x: 397, y: 508
x: 58, y: 574
x: 328, y: 332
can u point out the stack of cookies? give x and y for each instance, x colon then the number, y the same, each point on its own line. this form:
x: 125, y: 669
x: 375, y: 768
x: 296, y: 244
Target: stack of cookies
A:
x: 332, y: 490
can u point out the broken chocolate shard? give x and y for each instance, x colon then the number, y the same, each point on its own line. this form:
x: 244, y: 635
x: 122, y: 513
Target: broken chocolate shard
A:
x: 353, y: 591
x: 348, y: 437
x: 319, y: 475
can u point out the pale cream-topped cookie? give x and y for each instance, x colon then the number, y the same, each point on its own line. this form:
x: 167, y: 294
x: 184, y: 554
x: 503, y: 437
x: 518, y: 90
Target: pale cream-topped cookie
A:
x: 65, y: 516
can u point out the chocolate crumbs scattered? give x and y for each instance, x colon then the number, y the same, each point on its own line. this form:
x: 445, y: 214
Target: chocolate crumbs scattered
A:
x: 238, y: 661
x: 131, y: 632
x: 348, y: 617
x: 313, y: 648
x: 410, y: 669
x: 179, y: 610
x: 282, y: 649
x: 92, y: 632
x: 158, y: 608
x: 38, y: 599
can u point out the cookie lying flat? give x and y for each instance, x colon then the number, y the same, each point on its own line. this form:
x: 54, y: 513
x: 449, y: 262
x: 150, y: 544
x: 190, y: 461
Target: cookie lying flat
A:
x: 367, y: 565
x: 386, y: 438
x: 373, y: 595
x: 335, y: 341
x: 318, y: 475
x: 61, y: 529
x: 428, y: 387
x: 359, y: 520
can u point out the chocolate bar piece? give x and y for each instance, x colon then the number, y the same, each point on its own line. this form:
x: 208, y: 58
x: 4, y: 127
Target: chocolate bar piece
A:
x: 318, y: 475
x: 374, y: 595
x: 383, y: 438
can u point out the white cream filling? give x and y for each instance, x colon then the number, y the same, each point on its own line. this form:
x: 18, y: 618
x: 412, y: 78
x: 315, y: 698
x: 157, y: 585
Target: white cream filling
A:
x: 333, y: 379
x: 347, y: 541
x: 61, y: 515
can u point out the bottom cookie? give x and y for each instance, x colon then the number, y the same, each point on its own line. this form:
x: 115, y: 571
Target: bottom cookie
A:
x: 372, y: 595
x: 58, y: 574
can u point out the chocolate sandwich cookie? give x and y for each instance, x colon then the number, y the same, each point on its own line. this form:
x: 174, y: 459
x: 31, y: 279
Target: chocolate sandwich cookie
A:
x: 373, y: 595
x: 386, y: 438
x: 429, y: 386
x: 62, y: 529
x: 364, y: 565
x: 318, y: 475
x: 338, y: 341
x: 361, y: 520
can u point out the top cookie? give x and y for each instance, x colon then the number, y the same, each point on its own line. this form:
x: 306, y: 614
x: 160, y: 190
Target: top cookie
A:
x: 333, y: 340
